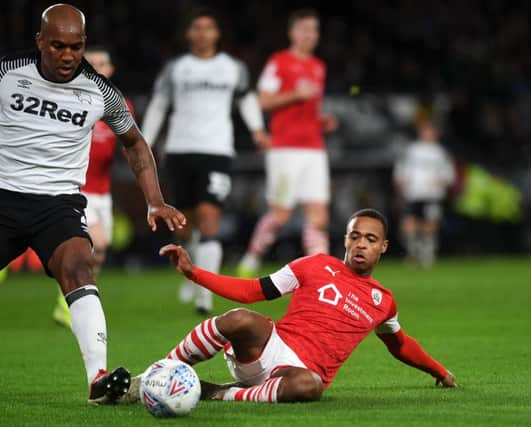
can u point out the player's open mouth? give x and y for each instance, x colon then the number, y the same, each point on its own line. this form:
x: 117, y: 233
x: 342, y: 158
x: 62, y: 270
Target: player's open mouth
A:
x: 359, y: 258
x: 65, y: 71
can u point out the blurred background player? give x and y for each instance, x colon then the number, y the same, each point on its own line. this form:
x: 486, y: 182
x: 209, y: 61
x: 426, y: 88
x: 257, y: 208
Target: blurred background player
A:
x: 291, y: 88
x: 421, y: 178
x: 97, y: 188
x: 200, y: 87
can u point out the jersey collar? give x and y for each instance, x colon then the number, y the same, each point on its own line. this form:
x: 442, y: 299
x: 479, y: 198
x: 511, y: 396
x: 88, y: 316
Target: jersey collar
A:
x: 39, y: 69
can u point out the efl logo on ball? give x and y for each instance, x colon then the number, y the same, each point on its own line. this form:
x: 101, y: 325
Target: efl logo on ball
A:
x: 170, y: 388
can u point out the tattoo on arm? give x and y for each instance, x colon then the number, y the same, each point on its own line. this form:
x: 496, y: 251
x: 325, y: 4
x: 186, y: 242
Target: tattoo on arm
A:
x: 137, y: 163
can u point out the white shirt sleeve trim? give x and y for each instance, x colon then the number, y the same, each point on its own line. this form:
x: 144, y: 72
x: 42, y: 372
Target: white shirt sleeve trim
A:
x: 285, y: 280
x: 390, y: 326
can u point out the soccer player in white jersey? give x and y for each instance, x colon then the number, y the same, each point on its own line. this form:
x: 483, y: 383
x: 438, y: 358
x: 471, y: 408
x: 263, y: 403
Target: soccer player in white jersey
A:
x: 49, y: 102
x: 97, y: 188
x: 334, y: 305
x: 421, y: 177
x: 200, y: 87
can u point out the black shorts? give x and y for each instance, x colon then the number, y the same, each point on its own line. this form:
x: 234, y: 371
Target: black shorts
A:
x: 427, y: 210
x: 196, y: 178
x: 41, y: 222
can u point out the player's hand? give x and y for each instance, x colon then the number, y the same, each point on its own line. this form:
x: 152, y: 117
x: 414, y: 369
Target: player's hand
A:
x: 448, y: 381
x: 261, y: 139
x: 329, y: 123
x: 306, y: 89
x: 179, y: 257
x: 171, y: 216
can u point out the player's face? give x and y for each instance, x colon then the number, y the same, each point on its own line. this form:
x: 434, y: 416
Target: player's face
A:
x: 203, y: 34
x: 428, y: 133
x: 364, y: 244
x: 304, y: 34
x: 101, y: 62
x: 62, y: 48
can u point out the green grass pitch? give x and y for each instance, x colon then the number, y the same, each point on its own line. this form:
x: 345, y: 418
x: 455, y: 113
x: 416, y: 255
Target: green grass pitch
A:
x: 474, y: 315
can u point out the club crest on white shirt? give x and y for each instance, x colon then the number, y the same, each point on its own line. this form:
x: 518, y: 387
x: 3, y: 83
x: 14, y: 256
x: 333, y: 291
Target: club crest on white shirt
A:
x: 376, y: 296
x: 83, y: 97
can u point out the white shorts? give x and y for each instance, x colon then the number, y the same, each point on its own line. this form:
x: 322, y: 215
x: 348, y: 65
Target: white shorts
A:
x: 296, y: 175
x: 276, y: 355
x: 99, y: 211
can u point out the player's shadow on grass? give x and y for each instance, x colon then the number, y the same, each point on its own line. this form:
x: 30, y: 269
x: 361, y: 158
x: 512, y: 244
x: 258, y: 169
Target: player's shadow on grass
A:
x: 386, y: 396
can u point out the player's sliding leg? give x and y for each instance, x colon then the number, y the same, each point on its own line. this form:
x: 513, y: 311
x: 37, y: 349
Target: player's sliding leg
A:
x: 246, y: 330
x: 71, y: 265
x: 209, y: 253
x: 201, y: 343
x: 264, y: 235
x: 314, y: 234
x: 289, y: 384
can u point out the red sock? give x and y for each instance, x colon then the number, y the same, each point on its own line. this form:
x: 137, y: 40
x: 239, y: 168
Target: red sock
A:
x: 202, y: 343
x: 266, y: 392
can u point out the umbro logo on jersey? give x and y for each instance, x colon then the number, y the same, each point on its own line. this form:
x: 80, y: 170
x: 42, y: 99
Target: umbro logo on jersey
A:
x: 24, y: 83
x: 45, y: 108
x: 83, y: 97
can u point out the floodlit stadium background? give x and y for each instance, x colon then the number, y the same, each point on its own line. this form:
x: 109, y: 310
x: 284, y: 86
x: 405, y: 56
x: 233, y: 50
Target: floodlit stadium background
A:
x: 390, y: 64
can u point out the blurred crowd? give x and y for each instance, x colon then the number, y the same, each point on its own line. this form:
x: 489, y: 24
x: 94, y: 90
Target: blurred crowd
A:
x: 471, y: 59
x: 477, y: 52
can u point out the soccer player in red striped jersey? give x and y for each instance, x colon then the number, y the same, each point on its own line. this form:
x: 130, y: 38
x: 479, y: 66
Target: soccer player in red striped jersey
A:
x: 335, y: 305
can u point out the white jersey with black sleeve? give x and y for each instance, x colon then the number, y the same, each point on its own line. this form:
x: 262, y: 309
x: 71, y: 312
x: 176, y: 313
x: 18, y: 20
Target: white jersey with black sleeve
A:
x: 200, y: 93
x: 46, y: 127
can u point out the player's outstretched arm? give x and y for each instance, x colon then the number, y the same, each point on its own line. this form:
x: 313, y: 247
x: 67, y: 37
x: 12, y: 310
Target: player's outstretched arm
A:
x: 245, y: 291
x: 270, y: 101
x: 141, y: 160
x: 409, y: 351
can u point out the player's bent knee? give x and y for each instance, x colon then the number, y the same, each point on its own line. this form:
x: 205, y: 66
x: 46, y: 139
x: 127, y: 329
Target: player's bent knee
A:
x: 281, y: 216
x: 236, y: 320
x: 305, y: 386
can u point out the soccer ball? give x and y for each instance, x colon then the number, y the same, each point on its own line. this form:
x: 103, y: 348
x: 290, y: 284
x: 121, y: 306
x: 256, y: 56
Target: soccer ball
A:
x: 170, y: 388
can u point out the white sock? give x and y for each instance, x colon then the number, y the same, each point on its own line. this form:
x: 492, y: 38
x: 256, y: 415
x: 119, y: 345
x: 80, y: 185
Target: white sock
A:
x: 266, y: 392
x: 88, y: 325
x: 411, y: 245
x: 188, y: 289
x: 209, y: 254
x: 192, y: 242
x: 429, y: 247
x: 250, y: 261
